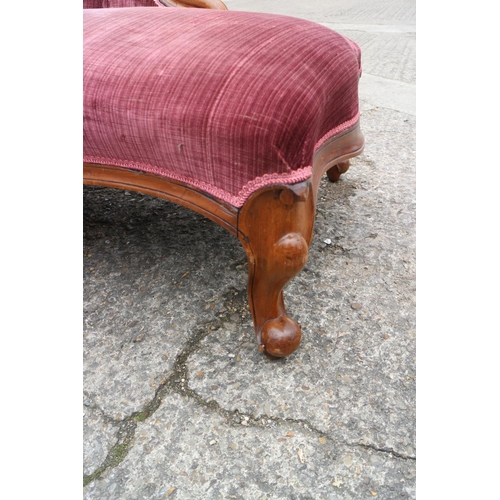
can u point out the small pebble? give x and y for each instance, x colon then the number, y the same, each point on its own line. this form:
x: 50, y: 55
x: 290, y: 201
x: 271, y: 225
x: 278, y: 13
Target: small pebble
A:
x: 328, y: 241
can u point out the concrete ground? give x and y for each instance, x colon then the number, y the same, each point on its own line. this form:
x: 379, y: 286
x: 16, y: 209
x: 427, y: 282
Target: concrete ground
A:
x: 178, y: 401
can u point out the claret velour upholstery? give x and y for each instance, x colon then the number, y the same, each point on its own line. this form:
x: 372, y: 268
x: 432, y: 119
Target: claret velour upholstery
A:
x: 102, y: 4
x: 233, y: 114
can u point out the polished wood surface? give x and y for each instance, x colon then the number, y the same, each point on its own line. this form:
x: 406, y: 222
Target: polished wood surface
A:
x: 200, y: 4
x: 275, y: 227
x: 336, y: 152
x: 217, y: 210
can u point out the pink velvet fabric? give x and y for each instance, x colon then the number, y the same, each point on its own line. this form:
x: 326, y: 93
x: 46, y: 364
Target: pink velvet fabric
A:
x: 104, y: 4
x: 226, y: 101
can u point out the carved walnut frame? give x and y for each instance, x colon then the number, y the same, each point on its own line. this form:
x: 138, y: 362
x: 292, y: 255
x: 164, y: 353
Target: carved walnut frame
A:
x: 200, y: 4
x: 275, y: 227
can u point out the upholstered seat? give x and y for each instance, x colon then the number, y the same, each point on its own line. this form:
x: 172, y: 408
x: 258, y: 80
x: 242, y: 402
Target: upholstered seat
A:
x: 233, y: 114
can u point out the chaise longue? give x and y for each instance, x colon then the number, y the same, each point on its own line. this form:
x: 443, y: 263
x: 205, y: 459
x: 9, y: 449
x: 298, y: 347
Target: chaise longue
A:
x: 235, y: 115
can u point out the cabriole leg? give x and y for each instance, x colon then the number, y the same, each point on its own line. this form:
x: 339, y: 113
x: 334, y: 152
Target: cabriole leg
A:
x: 275, y: 227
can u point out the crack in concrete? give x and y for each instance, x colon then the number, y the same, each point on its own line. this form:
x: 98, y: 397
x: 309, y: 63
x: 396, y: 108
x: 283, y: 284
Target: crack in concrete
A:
x: 177, y: 377
x: 118, y: 452
x: 236, y: 417
x: 91, y: 405
x: 177, y: 381
x: 390, y: 451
